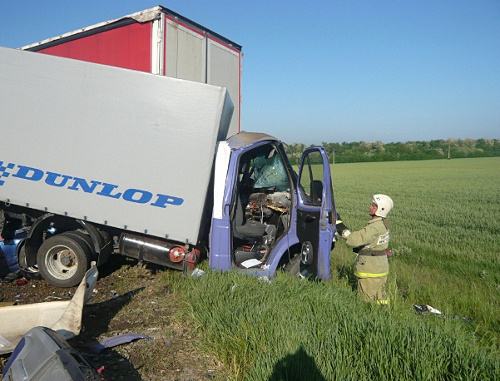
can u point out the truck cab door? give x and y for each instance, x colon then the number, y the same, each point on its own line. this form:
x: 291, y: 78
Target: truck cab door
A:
x: 315, y: 213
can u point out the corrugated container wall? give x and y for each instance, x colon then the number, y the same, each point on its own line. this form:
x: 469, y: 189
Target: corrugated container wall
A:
x: 159, y: 41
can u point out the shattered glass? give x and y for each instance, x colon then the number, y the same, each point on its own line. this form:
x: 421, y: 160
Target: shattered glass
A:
x: 270, y: 172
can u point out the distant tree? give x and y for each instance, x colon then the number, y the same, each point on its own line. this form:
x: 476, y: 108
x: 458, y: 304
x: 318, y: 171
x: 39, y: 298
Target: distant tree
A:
x: 362, y: 151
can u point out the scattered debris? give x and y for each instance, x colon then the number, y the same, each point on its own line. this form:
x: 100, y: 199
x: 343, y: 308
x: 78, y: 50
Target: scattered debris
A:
x: 249, y: 263
x: 197, y: 273
x: 43, y: 354
x: 105, y: 317
x: 99, y: 346
x: 64, y: 316
x: 265, y: 279
x: 426, y: 308
x: 423, y: 308
x: 22, y: 281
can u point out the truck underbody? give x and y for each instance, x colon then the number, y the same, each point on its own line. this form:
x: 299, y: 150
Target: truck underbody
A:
x: 61, y: 248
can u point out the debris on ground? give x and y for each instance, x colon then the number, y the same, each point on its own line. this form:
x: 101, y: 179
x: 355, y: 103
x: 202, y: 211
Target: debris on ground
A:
x: 423, y: 308
x: 145, y: 305
x: 99, y: 346
x: 63, y: 316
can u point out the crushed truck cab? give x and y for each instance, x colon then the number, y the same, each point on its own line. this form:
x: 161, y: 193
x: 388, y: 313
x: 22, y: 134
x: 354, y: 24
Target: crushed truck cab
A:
x: 116, y: 161
x: 264, y: 216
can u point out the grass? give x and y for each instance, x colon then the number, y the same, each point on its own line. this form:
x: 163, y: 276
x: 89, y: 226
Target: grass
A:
x: 298, y: 330
x: 445, y: 240
x: 446, y: 228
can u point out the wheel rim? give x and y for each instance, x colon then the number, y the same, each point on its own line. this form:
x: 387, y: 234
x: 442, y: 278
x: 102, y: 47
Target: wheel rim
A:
x: 61, y: 262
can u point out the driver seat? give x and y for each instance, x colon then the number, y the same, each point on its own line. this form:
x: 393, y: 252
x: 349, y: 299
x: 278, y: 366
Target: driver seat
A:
x: 249, y: 231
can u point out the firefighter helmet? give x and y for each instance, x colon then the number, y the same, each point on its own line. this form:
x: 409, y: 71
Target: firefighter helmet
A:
x: 384, y: 204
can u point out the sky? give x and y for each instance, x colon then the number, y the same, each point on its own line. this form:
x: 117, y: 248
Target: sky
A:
x: 330, y: 71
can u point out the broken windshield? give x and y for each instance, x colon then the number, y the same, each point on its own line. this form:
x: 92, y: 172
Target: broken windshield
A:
x: 270, y: 172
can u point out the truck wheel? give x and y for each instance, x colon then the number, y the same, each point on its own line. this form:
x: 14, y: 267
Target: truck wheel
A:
x: 63, y: 260
x: 30, y: 272
x: 85, y: 238
x: 293, y: 267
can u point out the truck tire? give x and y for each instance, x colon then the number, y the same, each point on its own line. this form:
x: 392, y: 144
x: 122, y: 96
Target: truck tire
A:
x: 85, y: 238
x: 30, y: 272
x: 293, y: 267
x: 63, y: 260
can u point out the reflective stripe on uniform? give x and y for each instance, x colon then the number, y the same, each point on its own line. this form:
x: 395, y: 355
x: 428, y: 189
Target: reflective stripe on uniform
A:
x: 369, y: 275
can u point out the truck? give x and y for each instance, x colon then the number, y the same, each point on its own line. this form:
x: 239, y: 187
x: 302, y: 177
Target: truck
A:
x: 105, y: 160
x: 159, y: 41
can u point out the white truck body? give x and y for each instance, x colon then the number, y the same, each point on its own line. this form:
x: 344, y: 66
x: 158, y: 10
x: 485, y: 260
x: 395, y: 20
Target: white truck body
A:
x: 156, y: 135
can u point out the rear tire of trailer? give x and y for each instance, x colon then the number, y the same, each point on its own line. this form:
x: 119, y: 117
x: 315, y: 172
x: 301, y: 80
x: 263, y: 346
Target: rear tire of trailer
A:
x: 63, y: 260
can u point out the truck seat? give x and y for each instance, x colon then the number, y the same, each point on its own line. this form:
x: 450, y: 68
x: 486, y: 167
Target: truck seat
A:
x: 250, y: 231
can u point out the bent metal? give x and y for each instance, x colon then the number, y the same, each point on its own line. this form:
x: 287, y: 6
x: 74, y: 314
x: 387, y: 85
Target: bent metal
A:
x: 79, y: 184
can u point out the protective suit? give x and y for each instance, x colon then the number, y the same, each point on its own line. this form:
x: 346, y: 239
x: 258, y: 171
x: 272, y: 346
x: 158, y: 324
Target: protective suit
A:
x: 370, y: 243
x: 372, y: 265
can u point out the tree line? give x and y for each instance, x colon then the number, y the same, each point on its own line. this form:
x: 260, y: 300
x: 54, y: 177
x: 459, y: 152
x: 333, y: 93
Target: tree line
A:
x: 356, y: 152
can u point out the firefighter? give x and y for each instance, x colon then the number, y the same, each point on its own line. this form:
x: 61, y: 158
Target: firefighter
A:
x: 370, y: 244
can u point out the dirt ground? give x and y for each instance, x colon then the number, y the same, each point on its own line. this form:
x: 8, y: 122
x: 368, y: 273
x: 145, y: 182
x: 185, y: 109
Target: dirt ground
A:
x: 128, y: 299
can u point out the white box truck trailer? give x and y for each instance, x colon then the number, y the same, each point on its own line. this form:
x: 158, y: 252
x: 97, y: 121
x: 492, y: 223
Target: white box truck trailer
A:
x: 103, y: 160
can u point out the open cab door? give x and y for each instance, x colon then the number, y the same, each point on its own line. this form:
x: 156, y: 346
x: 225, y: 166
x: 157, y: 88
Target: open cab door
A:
x: 315, y: 213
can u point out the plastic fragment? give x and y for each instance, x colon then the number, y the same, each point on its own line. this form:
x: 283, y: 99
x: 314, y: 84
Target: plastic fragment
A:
x: 99, y: 346
x: 197, y: 273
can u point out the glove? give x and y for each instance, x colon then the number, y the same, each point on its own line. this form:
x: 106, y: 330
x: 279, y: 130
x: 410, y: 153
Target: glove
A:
x: 341, y: 227
x: 346, y: 233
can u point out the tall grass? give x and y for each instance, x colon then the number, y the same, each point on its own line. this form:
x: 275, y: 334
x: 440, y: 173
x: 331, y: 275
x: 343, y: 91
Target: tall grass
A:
x: 302, y: 330
x: 445, y: 235
x: 445, y: 242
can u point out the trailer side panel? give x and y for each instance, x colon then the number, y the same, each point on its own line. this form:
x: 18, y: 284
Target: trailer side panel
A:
x: 128, y: 46
x: 111, y: 146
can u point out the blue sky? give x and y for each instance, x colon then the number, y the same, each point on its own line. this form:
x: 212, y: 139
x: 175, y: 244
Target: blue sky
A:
x: 331, y: 71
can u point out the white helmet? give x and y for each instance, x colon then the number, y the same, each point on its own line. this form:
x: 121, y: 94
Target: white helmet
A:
x: 384, y: 204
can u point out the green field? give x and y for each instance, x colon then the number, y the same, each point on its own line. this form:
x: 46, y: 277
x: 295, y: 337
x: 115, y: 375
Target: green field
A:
x: 445, y: 240
x: 446, y: 230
